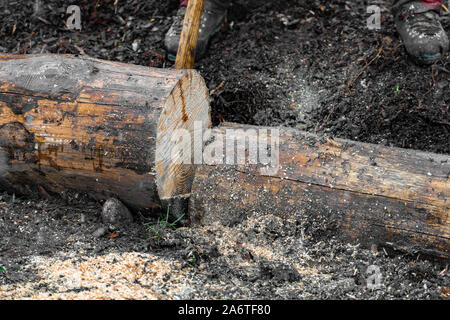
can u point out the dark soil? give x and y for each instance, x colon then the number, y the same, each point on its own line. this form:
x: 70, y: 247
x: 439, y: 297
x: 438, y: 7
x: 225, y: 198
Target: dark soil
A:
x: 307, y: 64
x: 261, y: 258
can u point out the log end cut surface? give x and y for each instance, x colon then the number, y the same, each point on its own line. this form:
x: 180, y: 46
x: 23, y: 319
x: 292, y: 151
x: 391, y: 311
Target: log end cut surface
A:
x: 186, y: 109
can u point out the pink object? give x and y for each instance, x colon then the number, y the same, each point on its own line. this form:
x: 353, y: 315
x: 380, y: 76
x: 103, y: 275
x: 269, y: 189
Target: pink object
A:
x: 434, y: 4
x: 184, y: 3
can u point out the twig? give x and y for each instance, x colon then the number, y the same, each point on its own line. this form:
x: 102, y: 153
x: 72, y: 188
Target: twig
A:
x: 79, y: 49
x: 429, y: 90
x: 350, y: 83
x: 220, y: 86
x: 44, y: 21
x: 43, y: 48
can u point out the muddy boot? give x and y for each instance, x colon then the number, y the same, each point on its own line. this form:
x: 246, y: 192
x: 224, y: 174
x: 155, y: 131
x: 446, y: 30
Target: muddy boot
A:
x: 418, y: 25
x: 212, y: 20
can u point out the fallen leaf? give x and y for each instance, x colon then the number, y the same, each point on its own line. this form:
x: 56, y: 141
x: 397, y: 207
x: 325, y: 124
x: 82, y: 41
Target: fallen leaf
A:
x: 113, y: 235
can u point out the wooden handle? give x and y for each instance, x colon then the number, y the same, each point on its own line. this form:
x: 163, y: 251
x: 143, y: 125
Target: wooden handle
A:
x: 189, y: 35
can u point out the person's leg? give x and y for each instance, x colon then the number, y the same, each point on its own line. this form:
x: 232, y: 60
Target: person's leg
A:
x: 224, y: 4
x: 418, y: 24
x: 214, y: 14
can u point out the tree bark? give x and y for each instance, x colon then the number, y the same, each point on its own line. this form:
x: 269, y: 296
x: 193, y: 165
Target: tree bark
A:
x: 101, y: 127
x: 363, y: 193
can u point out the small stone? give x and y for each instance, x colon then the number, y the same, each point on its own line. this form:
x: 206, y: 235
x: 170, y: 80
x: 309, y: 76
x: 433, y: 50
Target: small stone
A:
x: 100, y: 232
x: 115, y: 213
x: 135, y: 45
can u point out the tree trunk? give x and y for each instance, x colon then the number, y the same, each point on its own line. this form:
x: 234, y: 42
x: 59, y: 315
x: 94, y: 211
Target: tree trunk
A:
x: 363, y: 193
x: 96, y: 126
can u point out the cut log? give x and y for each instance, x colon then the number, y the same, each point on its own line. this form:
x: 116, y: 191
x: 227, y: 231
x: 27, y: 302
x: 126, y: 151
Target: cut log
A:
x: 367, y: 194
x: 101, y: 127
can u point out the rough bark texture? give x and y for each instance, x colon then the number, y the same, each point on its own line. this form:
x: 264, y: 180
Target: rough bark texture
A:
x: 364, y: 193
x: 96, y: 126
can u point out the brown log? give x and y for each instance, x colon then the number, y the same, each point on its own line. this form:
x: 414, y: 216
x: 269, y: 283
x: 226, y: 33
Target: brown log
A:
x: 370, y: 194
x: 96, y: 126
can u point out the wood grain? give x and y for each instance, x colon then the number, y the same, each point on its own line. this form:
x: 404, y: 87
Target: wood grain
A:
x: 189, y: 35
x: 96, y: 126
x: 369, y: 194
